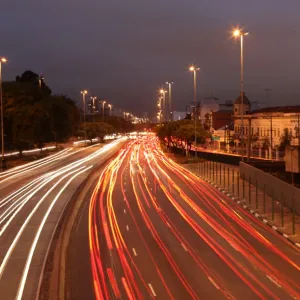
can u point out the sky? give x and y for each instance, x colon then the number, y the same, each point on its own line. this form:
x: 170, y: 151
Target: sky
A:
x: 124, y: 50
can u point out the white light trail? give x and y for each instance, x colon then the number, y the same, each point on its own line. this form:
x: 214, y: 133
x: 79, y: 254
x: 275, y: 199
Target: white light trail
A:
x: 37, y: 236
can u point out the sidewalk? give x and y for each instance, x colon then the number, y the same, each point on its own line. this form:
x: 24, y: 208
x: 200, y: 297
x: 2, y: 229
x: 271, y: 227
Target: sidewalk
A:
x: 227, y: 178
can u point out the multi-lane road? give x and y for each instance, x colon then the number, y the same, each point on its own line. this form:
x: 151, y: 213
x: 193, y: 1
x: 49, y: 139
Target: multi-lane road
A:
x: 32, y: 199
x: 151, y: 229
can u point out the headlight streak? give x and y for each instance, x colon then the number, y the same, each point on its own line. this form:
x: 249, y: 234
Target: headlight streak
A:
x: 225, y: 256
x: 214, y: 211
x: 111, y: 173
x: 52, y: 159
x: 164, y: 217
x: 237, y: 218
x: 34, y: 162
x: 160, y: 243
x: 32, y: 166
x: 22, y: 228
x: 215, y: 226
x: 19, y: 198
x: 78, y: 171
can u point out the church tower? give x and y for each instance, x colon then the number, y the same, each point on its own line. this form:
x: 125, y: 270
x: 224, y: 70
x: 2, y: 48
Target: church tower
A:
x: 238, y: 107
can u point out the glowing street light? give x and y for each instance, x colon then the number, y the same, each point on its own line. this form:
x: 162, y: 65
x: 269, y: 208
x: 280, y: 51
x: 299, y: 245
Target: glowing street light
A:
x: 93, y: 106
x: 84, y: 92
x: 169, y: 83
x: 194, y: 69
x: 2, y: 60
x: 163, y: 92
x: 103, y: 103
x: 110, y: 108
x: 238, y: 33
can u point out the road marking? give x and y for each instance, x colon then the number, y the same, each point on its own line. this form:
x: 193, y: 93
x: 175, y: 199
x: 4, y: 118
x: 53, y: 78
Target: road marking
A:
x: 127, y: 227
x: 168, y: 224
x: 245, y: 206
x: 152, y: 289
x: 286, y: 236
x: 274, y: 281
x: 124, y: 211
x: 256, y: 215
x: 213, y: 283
x: 298, y: 245
x: 184, y: 247
x: 252, y: 211
x: 274, y: 227
x: 265, y: 221
x: 134, y: 252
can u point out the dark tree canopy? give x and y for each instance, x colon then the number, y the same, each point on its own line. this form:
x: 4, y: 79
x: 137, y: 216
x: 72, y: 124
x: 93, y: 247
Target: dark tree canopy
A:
x: 33, y: 116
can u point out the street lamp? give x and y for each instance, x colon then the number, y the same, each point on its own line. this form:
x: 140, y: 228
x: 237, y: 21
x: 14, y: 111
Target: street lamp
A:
x: 169, y: 83
x: 2, y: 60
x: 94, y: 106
x: 84, y: 106
x: 194, y: 69
x: 110, y: 107
x: 163, y: 92
x: 103, y: 103
x: 238, y: 33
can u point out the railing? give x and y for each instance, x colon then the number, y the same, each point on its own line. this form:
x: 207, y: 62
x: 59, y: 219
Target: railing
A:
x: 248, y: 192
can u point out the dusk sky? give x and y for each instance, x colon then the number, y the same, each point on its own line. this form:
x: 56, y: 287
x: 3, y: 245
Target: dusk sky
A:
x: 123, y: 50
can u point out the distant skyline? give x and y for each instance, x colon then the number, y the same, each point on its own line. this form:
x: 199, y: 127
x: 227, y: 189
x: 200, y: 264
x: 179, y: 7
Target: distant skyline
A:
x: 124, y: 50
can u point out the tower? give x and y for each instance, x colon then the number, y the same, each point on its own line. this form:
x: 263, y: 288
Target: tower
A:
x: 238, y: 107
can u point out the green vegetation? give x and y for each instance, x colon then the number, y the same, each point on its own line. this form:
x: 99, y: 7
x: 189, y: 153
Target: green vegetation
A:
x: 33, y: 116
x: 96, y: 130
x: 181, y: 134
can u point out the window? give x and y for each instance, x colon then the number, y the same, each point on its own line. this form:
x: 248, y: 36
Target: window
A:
x: 236, y: 110
x: 258, y: 131
x: 252, y: 130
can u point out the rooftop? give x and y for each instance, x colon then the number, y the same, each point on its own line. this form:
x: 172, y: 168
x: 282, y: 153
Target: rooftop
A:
x: 282, y: 109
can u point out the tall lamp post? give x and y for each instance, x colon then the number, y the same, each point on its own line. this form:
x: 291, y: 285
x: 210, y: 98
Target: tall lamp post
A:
x: 2, y: 60
x: 159, y: 109
x: 94, y: 106
x: 194, y: 69
x: 169, y: 83
x: 103, y: 103
x: 163, y: 92
x: 240, y: 34
x: 110, y: 108
x: 84, y: 107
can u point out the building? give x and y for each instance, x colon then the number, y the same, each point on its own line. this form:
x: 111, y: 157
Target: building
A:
x: 267, y: 127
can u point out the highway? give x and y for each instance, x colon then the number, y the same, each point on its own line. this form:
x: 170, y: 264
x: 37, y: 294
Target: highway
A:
x: 32, y: 199
x: 153, y: 230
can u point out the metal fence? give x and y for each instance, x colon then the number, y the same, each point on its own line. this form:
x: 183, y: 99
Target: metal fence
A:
x: 250, y: 192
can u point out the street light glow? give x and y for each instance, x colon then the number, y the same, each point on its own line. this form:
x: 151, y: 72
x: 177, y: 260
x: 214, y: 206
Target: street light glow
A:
x: 238, y: 32
x: 3, y: 59
x: 193, y: 68
x: 84, y: 92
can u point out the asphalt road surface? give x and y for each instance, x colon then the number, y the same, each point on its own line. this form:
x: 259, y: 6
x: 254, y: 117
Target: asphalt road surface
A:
x: 32, y: 198
x: 151, y: 229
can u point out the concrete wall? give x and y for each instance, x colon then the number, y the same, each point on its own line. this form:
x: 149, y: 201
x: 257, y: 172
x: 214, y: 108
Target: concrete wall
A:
x: 274, y: 186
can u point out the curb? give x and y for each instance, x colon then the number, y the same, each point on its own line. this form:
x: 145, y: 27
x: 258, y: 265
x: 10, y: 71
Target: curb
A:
x: 251, y: 210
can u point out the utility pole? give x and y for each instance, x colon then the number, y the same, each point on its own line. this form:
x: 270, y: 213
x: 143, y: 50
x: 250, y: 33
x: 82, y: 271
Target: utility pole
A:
x: 3, y: 163
x: 249, y: 139
x: 267, y: 95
